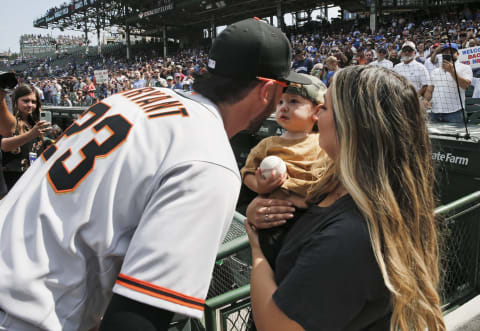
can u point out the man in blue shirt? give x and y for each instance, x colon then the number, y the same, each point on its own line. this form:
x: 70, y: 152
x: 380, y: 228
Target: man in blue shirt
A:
x: 302, y: 64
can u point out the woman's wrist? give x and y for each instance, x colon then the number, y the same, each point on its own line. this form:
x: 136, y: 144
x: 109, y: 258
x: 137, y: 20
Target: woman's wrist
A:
x: 257, y: 253
x: 31, y: 134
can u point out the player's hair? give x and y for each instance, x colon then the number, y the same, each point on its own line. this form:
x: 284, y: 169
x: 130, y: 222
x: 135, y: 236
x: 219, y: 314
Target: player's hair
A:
x: 384, y: 162
x: 21, y: 91
x: 219, y: 89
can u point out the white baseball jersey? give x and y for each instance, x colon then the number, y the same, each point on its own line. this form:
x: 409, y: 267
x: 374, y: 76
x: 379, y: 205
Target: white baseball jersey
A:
x: 415, y: 72
x: 137, y: 197
x: 445, y: 97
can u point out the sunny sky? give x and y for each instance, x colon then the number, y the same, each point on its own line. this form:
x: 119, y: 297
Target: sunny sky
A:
x: 17, y: 16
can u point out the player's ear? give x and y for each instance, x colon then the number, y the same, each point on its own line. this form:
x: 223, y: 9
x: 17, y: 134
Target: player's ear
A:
x: 266, y: 90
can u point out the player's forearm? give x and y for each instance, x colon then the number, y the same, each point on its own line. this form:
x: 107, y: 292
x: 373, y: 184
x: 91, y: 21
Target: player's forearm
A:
x: 7, y: 121
x: 12, y: 143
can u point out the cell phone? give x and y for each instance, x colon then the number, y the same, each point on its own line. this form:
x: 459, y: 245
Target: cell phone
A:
x: 447, y: 57
x: 46, y: 115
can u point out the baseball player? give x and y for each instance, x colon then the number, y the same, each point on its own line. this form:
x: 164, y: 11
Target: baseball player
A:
x: 129, y: 207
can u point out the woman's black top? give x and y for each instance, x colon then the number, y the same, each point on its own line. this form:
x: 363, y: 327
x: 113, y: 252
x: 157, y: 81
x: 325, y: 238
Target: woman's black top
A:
x: 327, y: 275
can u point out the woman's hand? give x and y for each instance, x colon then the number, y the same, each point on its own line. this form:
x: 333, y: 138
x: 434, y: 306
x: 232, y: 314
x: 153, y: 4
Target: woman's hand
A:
x: 265, y: 213
x: 39, y: 129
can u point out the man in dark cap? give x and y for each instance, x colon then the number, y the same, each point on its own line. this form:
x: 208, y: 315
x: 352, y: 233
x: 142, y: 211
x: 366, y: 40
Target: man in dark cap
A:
x: 132, y: 204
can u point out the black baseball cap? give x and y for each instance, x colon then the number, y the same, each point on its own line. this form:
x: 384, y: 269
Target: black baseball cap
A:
x: 7, y: 80
x: 252, y: 48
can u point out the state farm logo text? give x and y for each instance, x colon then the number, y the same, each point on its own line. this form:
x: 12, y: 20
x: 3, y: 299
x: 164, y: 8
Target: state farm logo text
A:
x: 450, y: 158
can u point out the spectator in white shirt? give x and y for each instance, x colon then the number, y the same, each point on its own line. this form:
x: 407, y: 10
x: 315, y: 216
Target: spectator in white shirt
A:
x: 381, y: 59
x: 433, y: 61
x: 446, y: 103
x: 415, y: 72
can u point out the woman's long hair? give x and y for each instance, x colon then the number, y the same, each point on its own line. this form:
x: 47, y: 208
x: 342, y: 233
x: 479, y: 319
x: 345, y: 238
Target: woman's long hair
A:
x: 385, y: 164
x: 19, y: 92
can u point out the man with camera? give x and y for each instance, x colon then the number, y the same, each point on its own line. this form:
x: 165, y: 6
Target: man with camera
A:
x: 448, y: 100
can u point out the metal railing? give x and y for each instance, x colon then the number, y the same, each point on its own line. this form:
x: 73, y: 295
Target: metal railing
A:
x: 460, y: 230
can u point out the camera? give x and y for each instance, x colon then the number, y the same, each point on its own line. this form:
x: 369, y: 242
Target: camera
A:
x: 7, y: 80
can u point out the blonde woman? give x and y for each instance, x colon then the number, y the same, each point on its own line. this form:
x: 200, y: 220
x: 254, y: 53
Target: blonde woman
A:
x: 365, y: 254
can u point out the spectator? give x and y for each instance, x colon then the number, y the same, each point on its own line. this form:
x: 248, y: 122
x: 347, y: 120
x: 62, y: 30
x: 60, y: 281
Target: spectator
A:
x: 346, y: 263
x: 318, y: 71
x: 302, y: 64
x: 7, y: 126
x: 138, y: 81
x: 188, y: 81
x: 361, y: 58
x: 169, y: 81
x: 369, y: 56
x: 422, y: 54
x: 89, y: 92
x: 446, y: 106
x: 298, y: 148
x: 66, y: 102
x: 15, y: 149
x: 177, y: 83
x: 54, y: 92
x: 381, y: 60
x: 7, y: 121
x: 415, y: 72
x: 432, y: 61
x: 332, y: 67
x: 393, y: 56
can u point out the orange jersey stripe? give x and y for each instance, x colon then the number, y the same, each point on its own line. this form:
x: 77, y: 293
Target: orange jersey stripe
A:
x: 157, y: 291
x: 159, y: 296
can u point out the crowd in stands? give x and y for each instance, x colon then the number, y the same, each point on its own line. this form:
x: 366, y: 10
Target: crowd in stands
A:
x: 47, y: 42
x: 320, y: 49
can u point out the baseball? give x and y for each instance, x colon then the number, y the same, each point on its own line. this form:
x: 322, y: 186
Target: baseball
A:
x: 271, y: 163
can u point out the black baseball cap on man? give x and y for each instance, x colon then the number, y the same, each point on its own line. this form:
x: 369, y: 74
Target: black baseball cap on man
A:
x: 252, y: 49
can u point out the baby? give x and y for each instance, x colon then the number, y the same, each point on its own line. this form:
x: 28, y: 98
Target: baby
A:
x: 298, y: 147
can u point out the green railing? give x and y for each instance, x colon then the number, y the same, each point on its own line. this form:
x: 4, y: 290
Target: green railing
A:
x: 230, y: 310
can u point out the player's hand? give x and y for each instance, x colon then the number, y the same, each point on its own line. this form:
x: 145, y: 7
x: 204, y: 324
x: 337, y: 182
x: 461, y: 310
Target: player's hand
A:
x: 265, y: 186
x: 265, y: 213
x: 40, y: 128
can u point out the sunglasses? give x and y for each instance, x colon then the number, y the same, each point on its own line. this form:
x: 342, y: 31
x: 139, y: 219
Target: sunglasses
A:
x: 282, y: 84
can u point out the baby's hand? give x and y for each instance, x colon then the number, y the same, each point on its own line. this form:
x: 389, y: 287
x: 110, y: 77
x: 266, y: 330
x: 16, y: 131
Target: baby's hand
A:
x: 268, y: 185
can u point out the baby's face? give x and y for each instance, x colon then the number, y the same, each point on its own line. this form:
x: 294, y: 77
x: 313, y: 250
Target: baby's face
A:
x: 295, y: 113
